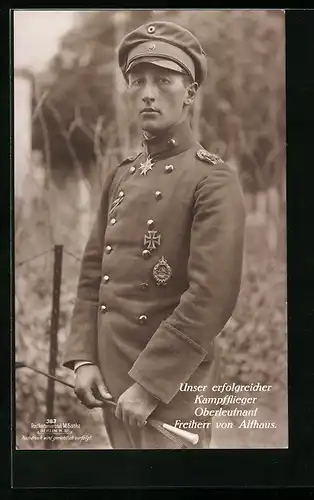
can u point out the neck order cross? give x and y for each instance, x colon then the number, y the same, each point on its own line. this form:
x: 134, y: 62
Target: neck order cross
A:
x: 147, y: 165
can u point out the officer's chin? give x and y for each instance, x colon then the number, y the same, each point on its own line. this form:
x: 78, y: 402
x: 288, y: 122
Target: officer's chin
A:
x: 151, y: 124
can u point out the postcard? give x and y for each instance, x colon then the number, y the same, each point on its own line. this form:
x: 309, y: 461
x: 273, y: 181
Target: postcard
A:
x: 150, y: 230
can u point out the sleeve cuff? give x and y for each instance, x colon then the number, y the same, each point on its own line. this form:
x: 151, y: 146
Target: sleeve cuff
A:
x: 168, y: 360
x: 77, y: 364
x: 82, y: 341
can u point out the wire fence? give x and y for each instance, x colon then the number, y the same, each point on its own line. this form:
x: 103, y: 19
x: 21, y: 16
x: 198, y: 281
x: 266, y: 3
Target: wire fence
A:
x: 45, y: 361
x: 50, y: 372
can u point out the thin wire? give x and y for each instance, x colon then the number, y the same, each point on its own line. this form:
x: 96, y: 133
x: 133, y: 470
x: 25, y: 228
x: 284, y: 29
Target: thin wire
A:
x: 72, y: 255
x: 24, y: 325
x: 157, y: 424
x: 33, y: 258
x: 47, y: 251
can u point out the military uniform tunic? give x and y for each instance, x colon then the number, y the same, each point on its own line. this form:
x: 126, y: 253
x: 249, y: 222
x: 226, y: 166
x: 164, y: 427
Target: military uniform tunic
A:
x: 161, y: 273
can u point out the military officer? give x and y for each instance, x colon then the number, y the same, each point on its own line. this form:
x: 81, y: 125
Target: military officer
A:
x: 161, y: 271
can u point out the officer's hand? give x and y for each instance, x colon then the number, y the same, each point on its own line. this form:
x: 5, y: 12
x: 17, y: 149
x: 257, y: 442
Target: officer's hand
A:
x: 90, y: 387
x: 135, y: 405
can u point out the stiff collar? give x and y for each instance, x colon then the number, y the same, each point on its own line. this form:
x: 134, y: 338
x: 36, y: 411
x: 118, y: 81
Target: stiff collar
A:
x: 170, y: 143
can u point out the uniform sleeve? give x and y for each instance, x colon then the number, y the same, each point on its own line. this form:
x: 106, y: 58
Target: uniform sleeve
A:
x: 82, y: 341
x: 184, y: 339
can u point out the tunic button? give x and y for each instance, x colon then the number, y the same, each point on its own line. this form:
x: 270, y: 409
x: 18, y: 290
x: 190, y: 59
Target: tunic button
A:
x: 121, y: 194
x: 169, y: 169
x: 106, y: 279
x: 103, y: 309
x: 150, y: 223
x: 146, y: 254
x: 172, y: 142
x: 113, y: 221
x: 144, y: 286
x: 158, y: 195
x: 108, y: 249
x: 142, y: 319
x: 132, y: 169
x: 151, y: 29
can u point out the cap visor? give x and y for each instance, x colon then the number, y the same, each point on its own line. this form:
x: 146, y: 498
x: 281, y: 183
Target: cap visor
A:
x: 163, y: 63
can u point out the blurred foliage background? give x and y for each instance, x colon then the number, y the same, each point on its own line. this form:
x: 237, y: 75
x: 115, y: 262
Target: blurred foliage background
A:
x: 81, y: 125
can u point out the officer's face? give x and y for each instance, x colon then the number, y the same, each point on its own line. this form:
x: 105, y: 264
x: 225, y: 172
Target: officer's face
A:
x: 160, y: 97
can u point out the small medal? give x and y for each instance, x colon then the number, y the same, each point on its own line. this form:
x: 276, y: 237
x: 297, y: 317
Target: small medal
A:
x: 162, y: 272
x: 146, y: 166
x: 152, y: 240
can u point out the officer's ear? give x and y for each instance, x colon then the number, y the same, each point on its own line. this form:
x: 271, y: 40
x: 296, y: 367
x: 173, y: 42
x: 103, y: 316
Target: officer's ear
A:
x: 191, y: 90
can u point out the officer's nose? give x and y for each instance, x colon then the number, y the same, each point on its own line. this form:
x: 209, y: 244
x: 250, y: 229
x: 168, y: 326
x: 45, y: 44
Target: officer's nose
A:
x: 149, y: 94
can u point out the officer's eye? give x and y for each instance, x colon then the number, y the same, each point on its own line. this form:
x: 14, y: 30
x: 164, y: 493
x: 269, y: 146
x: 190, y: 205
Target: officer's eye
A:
x: 136, y: 81
x: 164, y: 80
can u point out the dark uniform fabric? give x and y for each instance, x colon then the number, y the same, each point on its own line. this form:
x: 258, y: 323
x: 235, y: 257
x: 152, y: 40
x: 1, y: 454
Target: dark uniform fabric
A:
x: 190, y: 208
x: 123, y: 436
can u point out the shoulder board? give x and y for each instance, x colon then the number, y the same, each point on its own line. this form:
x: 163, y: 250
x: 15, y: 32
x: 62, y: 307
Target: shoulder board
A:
x: 129, y: 159
x: 205, y: 155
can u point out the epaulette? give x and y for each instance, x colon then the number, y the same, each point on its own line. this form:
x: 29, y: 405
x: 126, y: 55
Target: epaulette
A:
x: 205, y: 155
x: 129, y: 159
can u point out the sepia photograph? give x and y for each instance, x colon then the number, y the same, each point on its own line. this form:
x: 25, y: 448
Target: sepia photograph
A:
x: 150, y: 229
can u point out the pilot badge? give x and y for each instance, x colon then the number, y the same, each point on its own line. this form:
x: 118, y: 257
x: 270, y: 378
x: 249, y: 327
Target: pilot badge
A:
x: 162, y: 272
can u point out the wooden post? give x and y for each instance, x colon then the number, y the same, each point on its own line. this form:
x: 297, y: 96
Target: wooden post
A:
x: 53, y: 354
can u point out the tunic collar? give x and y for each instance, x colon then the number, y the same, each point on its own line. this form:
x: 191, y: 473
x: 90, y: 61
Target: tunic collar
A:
x: 170, y: 143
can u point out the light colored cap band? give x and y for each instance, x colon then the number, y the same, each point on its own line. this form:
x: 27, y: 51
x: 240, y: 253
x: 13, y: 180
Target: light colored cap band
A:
x: 161, y: 50
x: 158, y: 61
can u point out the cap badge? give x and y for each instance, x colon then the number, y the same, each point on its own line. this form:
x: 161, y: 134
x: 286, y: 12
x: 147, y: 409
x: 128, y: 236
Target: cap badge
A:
x: 146, y: 166
x: 151, y: 47
x: 162, y: 272
x: 205, y: 155
x: 151, y: 29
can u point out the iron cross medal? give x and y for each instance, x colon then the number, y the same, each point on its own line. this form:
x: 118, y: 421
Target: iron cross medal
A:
x: 146, y: 166
x: 152, y: 240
